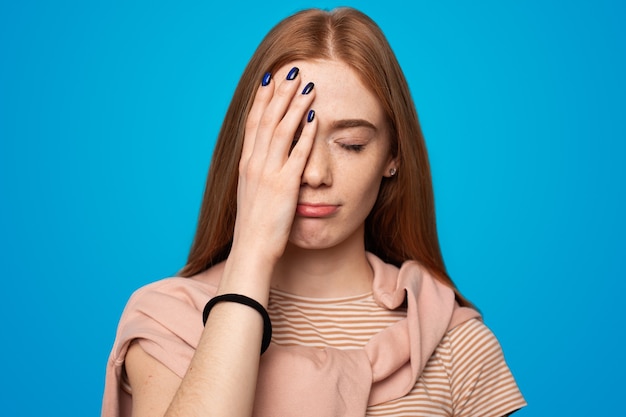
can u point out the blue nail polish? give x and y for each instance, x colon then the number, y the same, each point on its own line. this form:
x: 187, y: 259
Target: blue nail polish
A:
x: 310, y: 116
x: 266, y: 79
x: 308, y: 88
x: 293, y: 73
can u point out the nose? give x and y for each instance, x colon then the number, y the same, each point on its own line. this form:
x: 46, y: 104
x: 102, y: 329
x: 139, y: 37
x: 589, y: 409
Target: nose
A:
x: 318, y: 168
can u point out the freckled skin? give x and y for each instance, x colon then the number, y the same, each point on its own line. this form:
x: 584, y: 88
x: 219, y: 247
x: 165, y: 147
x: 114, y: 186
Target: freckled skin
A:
x: 349, y: 158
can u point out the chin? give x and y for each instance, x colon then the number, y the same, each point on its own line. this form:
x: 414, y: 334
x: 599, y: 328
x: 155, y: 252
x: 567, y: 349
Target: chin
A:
x: 310, y: 241
x: 310, y: 244
x: 321, y: 239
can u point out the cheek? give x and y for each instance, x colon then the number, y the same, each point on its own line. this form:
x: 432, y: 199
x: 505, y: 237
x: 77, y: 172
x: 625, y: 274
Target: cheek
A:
x: 363, y: 175
x: 364, y: 190
x: 372, y: 194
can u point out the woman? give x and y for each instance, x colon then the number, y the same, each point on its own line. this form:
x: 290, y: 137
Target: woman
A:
x: 319, y: 209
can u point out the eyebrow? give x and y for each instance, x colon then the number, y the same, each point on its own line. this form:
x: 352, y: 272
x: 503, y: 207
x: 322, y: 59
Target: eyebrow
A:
x: 348, y: 123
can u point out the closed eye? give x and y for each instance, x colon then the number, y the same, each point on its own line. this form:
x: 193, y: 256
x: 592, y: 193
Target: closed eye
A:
x: 352, y: 147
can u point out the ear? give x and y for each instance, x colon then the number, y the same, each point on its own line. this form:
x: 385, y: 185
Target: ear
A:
x: 391, y: 169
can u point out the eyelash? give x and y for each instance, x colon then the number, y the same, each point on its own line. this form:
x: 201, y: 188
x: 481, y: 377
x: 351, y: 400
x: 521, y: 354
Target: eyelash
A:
x: 346, y: 146
x: 352, y: 148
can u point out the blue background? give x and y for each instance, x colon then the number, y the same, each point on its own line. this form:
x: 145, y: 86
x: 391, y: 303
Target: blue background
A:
x: 108, y: 114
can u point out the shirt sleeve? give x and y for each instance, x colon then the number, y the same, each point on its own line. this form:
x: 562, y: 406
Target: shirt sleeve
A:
x: 165, y: 318
x: 481, y: 381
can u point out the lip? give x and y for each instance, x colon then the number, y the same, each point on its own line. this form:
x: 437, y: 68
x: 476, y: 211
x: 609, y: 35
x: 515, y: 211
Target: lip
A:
x: 316, y: 210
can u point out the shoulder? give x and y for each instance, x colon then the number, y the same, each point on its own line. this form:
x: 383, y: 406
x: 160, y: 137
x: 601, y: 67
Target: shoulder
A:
x: 165, y: 317
x: 471, y: 348
x: 176, y: 291
x: 482, y: 383
x: 472, y: 337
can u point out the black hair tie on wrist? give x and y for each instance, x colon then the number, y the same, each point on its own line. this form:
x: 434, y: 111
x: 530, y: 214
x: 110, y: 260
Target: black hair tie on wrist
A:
x: 242, y: 299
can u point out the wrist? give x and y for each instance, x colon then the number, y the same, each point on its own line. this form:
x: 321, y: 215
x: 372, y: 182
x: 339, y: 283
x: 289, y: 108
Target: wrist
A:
x: 258, y: 247
x: 242, y: 299
x: 249, y: 274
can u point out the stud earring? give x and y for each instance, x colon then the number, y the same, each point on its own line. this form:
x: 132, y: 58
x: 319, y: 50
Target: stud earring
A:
x: 392, y: 172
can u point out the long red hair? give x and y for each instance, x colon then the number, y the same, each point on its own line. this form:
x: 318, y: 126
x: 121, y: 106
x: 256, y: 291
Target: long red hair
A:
x: 402, y: 224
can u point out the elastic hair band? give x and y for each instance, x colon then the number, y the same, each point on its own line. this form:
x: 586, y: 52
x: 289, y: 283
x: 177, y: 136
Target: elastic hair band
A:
x: 242, y: 299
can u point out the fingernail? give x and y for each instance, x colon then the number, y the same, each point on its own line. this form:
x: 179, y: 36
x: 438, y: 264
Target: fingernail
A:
x: 308, y: 88
x: 266, y: 79
x: 310, y: 116
x: 293, y: 73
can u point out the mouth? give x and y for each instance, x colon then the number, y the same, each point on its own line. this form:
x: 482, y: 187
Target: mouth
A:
x: 316, y: 210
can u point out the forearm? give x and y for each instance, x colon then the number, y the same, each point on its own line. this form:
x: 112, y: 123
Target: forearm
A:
x: 221, y: 379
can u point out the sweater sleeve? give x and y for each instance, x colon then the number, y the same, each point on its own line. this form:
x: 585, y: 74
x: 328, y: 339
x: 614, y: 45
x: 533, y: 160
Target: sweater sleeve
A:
x: 165, y: 318
x: 481, y: 381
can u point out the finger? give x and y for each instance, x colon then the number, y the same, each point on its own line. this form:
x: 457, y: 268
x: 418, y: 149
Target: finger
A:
x: 302, y: 148
x: 274, y: 112
x: 262, y: 98
x: 289, y: 129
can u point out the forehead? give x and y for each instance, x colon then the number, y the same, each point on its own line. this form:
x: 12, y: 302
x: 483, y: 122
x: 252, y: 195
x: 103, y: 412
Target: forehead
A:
x: 339, y: 91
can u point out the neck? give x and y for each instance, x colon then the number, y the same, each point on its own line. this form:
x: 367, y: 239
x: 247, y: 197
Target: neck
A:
x: 340, y: 271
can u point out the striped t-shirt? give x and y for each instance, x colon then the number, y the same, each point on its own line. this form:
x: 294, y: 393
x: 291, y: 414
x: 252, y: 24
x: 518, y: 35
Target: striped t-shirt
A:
x: 465, y: 376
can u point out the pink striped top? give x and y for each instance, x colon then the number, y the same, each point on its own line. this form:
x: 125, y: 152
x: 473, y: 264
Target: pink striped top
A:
x: 466, y: 375
x: 353, y: 356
